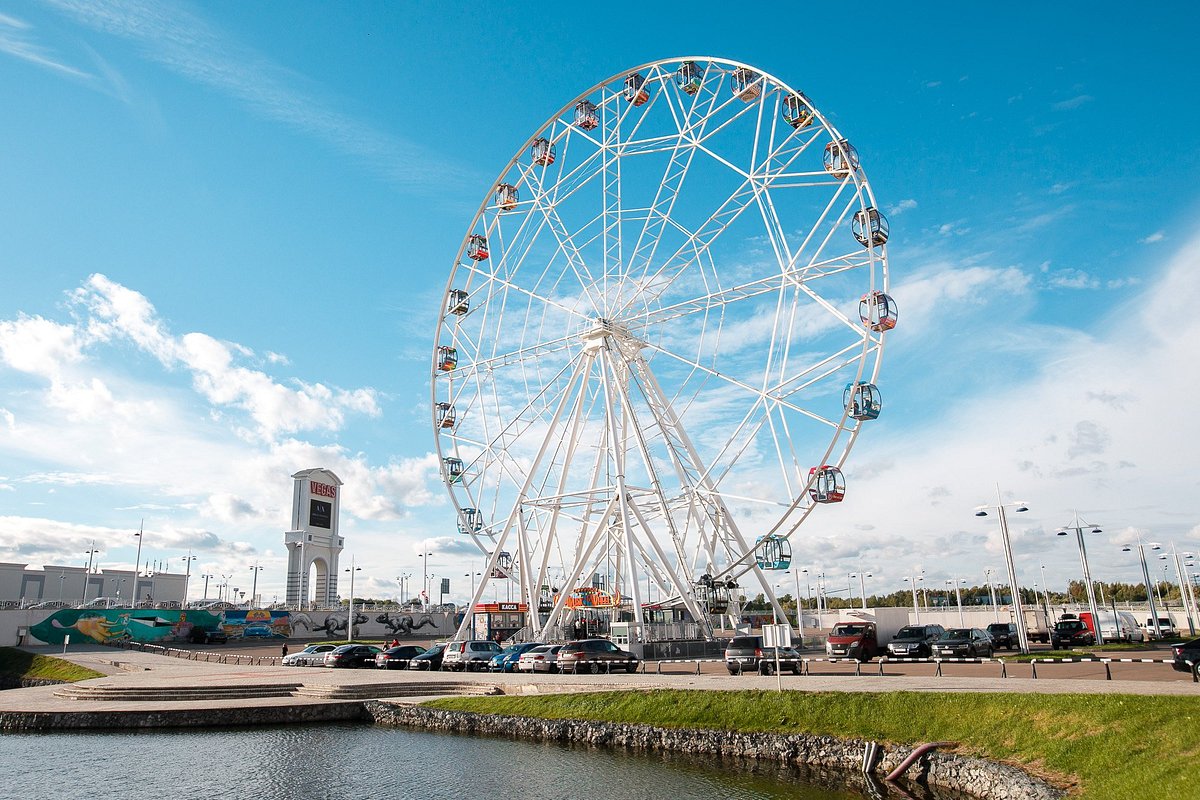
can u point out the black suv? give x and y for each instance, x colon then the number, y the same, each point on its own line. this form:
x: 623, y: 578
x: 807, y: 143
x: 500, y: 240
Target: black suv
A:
x: 201, y: 636
x: 1004, y: 634
x: 1188, y: 651
x: 1071, y: 633
x: 914, y: 641
x: 747, y: 654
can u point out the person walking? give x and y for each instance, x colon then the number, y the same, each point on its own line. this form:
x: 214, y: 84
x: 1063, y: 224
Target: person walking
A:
x: 284, y: 650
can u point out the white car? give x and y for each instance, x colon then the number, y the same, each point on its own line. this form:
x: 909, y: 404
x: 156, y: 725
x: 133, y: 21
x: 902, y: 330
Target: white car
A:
x: 543, y: 658
x: 311, y: 656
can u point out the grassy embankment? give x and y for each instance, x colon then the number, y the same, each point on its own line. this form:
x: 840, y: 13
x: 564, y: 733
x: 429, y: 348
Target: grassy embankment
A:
x: 21, y: 664
x: 1102, y: 746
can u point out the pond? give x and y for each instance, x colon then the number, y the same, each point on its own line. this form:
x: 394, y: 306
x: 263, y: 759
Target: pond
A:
x: 313, y: 762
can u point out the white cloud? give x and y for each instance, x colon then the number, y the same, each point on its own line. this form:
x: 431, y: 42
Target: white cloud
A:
x: 1073, y: 279
x: 899, y: 208
x: 1157, y: 236
x: 1073, y: 103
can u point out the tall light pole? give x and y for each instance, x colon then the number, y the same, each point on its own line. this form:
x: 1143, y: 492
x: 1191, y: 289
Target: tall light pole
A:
x: 206, y: 576
x: 1018, y: 610
x: 958, y: 599
x: 87, y: 578
x: 425, y: 570
x: 862, y: 588
x: 473, y: 576
x: 254, y: 584
x: 1087, y: 572
x: 987, y: 576
x: 913, y: 580
x: 137, y: 566
x: 350, y: 617
x: 187, y: 560
x: 403, y: 581
x: 1046, y: 592
x: 1128, y: 548
x: 1185, y: 588
x: 225, y: 587
x: 850, y: 590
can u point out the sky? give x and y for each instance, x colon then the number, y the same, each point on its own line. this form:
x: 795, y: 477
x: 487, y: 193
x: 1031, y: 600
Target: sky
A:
x: 226, y: 231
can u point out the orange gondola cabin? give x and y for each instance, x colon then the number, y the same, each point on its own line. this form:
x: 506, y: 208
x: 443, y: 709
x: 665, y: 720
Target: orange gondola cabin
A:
x: 635, y: 89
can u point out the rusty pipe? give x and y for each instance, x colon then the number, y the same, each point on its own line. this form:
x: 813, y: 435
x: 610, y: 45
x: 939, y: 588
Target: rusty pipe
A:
x: 913, y: 756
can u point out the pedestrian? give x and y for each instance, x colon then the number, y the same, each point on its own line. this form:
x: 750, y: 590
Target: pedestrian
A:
x: 285, y: 650
x: 395, y: 643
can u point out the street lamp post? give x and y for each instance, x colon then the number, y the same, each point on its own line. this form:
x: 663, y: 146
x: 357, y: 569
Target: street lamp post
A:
x: 1050, y: 617
x: 1185, y: 588
x: 1146, y: 576
x: 425, y: 570
x: 225, y: 587
x: 254, y: 584
x: 88, y: 576
x: 206, y: 577
x: 958, y: 599
x: 350, y: 616
x: 913, y: 580
x: 862, y: 588
x: 1087, y: 572
x: 137, y: 567
x: 987, y: 576
x: 1018, y: 610
x: 187, y: 560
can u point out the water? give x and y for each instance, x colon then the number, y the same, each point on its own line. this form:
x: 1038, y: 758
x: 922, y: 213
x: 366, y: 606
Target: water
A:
x: 329, y: 762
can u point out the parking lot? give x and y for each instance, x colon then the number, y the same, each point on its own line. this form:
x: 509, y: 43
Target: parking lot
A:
x: 1144, y: 665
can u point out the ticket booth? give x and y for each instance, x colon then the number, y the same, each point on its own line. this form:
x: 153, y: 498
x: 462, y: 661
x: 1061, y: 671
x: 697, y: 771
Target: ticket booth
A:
x: 497, y: 621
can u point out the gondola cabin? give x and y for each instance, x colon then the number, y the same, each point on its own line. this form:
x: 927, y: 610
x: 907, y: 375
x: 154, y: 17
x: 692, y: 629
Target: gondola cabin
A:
x: 840, y: 158
x: 586, y: 117
x: 447, y: 358
x: 796, y: 111
x: 542, y: 152
x: 746, y: 84
x: 457, y: 303
x: 477, y: 247
x: 504, y: 565
x: 689, y: 77
x: 714, y: 595
x: 470, y: 520
x: 773, y: 552
x: 877, y: 311
x: 507, y: 197
x: 826, y: 484
x: 870, y: 227
x: 444, y: 415
x: 862, y: 400
x: 635, y: 89
x: 452, y: 469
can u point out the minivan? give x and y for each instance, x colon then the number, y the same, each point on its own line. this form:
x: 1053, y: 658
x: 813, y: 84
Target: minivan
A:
x: 1166, y: 630
x: 469, y: 656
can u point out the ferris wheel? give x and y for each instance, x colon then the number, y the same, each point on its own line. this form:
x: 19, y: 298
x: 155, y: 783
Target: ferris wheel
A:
x: 659, y: 340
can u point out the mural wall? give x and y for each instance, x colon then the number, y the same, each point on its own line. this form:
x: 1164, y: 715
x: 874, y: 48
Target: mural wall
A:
x: 161, y: 626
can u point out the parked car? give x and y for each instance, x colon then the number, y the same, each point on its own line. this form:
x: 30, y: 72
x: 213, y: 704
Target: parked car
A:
x: 595, y: 656
x: 398, y: 657
x: 1069, y: 633
x: 429, y: 660
x: 1188, y: 651
x: 853, y: 640
x: 215, y: 636
x: 1166, y: 628
x: 1004, y: 634
x: 506, y: 659
x: 914, y: 641
x: 543, y: 658
x: 311, y: 656
x: 470, y: 655
x: 352, y: 656
x: 963, y: 643
x: 747, y: 654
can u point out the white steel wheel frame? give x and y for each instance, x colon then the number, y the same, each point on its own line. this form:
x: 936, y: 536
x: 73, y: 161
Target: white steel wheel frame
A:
x: 652, y: 355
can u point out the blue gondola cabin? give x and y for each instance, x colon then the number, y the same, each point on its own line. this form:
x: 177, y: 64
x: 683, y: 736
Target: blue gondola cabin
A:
x: 773, y: 552
x: 870, y: 227
x: 452, y: 469
x: 862, y: 400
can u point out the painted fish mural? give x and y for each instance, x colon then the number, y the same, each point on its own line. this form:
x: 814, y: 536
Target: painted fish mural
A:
x: 122, y: 624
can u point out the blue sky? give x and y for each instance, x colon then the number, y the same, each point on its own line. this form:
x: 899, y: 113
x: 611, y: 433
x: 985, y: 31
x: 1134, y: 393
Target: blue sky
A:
x: 226, y: 229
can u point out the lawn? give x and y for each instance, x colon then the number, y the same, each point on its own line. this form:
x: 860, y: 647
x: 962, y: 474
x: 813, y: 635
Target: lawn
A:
x: 21, y: 664
x: 1103, y: 746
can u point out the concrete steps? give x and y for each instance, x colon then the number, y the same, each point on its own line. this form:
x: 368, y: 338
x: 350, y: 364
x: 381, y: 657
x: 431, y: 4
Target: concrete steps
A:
x: 370, y: 691
x: 161, y: 694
